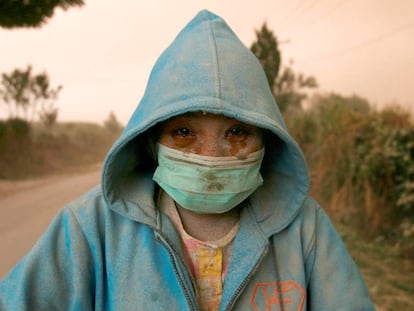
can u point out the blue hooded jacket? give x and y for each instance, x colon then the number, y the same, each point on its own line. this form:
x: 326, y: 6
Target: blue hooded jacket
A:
x: 112, y: 249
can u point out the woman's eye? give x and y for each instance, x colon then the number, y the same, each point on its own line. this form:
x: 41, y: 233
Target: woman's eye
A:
x: 182, y: 131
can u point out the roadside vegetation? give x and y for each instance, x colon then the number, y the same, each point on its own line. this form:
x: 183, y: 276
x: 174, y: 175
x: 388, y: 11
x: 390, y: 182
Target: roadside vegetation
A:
x: 32, y: 142
x: 361, y: 162
x: 34, y: 150
x: 362, y: 165
x: 389, y: 277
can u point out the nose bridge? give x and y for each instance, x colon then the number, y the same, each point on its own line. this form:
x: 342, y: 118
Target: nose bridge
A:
x: 211, y: 145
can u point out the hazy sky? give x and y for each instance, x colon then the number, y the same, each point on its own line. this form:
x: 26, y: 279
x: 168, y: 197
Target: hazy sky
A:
x: 102, y: 53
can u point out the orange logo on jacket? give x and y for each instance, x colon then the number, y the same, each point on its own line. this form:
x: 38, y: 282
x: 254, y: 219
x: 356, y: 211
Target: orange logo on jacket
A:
x: 285, y: 295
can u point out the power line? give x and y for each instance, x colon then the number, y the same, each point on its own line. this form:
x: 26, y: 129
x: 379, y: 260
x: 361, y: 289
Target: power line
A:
x: 361, y: 44
x: 307, y: 26
x: 298, y: 6
x: 301, y: 11
x: 336, y: 7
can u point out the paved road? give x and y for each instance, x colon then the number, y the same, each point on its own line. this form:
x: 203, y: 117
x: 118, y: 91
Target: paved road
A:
x: 25, y: 214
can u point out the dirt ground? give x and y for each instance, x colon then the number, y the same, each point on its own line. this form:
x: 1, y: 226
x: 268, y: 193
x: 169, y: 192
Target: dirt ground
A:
x: 27, y: 207
x: 389, y: 277
x: 10, y: 187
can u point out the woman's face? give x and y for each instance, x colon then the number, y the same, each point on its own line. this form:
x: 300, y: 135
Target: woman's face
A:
x: 211, y: 135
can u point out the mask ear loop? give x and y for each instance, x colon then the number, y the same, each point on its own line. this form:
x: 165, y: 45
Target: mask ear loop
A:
x: 158, y: 196
x: 178, y: 211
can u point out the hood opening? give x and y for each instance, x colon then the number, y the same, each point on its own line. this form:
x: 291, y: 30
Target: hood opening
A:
x: 207, y: 68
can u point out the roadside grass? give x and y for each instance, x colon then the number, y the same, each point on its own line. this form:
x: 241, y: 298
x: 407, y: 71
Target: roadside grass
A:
x: 389, y: 277
x: 67, y: 146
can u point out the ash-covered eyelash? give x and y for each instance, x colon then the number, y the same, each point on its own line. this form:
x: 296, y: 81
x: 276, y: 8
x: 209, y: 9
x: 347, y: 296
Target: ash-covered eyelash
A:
x: 179, y: 131
x: 240, y: 129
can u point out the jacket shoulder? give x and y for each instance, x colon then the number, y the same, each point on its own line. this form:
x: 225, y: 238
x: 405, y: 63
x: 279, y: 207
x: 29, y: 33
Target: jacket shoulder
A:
x: 314, y: 223
x: 90, y: 211
x: 307, y: 220
x: 87, y: 200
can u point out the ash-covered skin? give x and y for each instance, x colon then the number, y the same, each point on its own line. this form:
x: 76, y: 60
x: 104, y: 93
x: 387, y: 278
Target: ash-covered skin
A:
x: 211, y: 135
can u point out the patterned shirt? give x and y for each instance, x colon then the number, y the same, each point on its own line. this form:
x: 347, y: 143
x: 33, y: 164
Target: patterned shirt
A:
x: 208, y: 261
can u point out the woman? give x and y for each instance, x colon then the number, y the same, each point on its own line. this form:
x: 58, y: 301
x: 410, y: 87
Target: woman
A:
x: 203, y: 205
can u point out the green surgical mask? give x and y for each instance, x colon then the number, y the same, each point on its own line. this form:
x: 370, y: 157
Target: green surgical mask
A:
x: 204, y: 184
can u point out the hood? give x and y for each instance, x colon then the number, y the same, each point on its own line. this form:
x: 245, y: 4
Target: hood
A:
x: 207, y: 68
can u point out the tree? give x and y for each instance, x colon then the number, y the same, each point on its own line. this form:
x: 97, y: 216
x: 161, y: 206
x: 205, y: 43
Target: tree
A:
x: 266, y: 50
x: 112, y: 124
x: 28, y: 96
x: 287, y: 87
x: 31, y: 13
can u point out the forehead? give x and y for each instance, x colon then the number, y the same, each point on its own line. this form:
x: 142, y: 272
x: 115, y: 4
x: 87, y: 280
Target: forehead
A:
x: 203, y: 117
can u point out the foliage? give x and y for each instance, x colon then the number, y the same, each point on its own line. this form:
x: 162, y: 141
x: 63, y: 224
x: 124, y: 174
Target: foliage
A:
x: 31, y: 13
x: 362, y: 164
x: 288, y: 88
x: 112, y: 124
x: 17, y: 128
x: 44, y: 150
x: 386, y: 149
x: 14, y: 143
x: 361, y: 161
x: 389, y: 277
x: 28, y: 95
x: 266, y: 50
x: 49, y: 116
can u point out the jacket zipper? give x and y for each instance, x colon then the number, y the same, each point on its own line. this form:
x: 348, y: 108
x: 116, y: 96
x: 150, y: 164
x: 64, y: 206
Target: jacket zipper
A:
x: 172, y: 256
x: 245, y: 281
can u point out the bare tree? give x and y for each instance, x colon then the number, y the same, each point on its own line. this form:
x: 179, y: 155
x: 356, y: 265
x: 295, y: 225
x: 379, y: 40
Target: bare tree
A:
x: 28, y: 96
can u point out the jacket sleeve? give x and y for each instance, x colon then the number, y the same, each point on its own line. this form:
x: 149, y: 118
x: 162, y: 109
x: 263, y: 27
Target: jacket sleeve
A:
x: 56, y: 274
x: 335, y: 282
